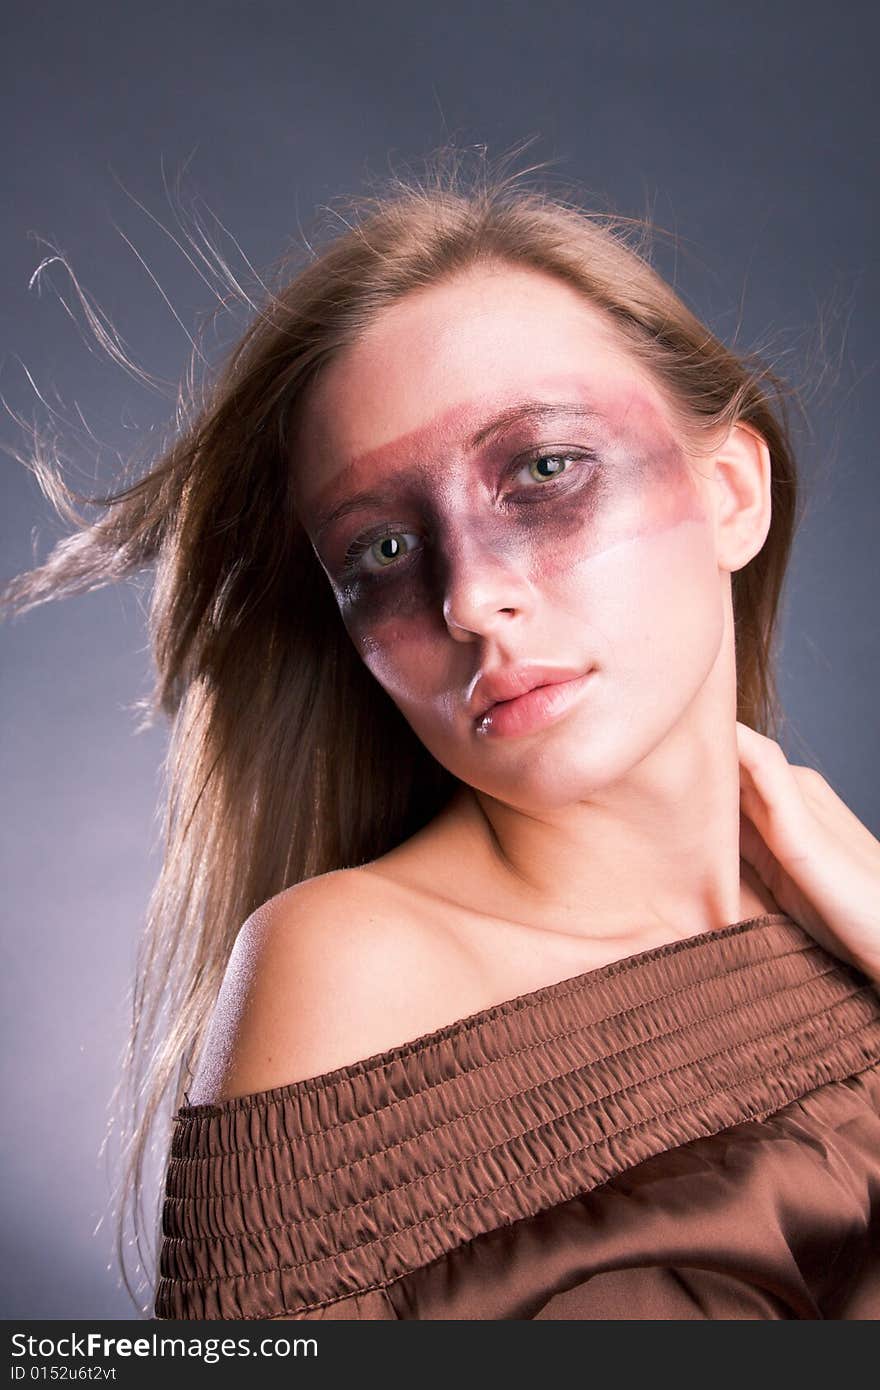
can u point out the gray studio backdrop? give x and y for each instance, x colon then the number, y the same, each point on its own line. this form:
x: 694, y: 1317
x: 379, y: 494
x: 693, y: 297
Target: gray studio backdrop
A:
x: 748, y: 130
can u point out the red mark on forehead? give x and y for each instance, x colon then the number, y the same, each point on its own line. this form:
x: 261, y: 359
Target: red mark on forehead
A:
x: 469, y: 426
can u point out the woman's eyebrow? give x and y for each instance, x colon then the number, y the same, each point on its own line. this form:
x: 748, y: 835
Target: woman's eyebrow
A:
x: 528, y: 410
x: 532, y: 410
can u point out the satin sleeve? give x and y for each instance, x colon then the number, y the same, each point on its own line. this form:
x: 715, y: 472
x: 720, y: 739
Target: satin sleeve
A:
x: 265, y: 1215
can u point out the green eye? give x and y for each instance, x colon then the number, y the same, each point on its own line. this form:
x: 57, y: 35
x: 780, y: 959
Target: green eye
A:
x: 373, y: 556
x: 543, y: 468
x: 386, y: 550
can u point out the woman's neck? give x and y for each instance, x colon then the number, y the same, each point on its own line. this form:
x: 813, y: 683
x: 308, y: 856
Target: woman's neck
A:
x: 660, y: 848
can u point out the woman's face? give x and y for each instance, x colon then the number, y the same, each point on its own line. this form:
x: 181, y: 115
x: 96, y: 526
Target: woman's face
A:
x: 573, y: 533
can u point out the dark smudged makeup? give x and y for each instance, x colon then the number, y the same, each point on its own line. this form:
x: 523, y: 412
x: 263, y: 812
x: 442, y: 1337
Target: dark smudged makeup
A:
x: 541, y: 485
x: 534, y: 477
x: 521, y: 413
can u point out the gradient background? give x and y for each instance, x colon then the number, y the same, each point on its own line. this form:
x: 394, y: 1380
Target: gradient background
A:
x: 749, y: 131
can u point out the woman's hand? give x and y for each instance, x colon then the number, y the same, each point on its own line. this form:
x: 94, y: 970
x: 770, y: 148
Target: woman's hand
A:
x: 821, y: 864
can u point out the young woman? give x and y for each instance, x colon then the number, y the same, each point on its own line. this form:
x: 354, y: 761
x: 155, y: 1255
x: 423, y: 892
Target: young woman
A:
x: 521, y: 974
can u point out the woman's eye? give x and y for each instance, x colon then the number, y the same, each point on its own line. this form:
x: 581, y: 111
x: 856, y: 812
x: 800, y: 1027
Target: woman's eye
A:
x: 543, y: 468
x: 378, y: 554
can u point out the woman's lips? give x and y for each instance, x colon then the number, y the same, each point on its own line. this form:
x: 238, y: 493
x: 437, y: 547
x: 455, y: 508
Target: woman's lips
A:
x: 533, y: 710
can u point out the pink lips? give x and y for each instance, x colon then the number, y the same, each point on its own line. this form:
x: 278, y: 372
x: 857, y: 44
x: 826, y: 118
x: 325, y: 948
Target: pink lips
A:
x: 535, y: 697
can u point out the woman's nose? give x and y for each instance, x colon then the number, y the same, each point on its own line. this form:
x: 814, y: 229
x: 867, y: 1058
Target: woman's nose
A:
x: 485, y: 584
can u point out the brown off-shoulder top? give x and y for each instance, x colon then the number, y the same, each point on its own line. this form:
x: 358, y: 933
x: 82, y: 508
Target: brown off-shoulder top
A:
x: 691, y: 1132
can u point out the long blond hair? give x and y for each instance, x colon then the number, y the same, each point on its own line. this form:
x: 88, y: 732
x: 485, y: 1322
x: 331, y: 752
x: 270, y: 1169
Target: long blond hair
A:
x: 286, y: 759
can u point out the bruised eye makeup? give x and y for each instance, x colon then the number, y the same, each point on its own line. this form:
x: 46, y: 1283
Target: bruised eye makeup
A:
x: 388, y: 548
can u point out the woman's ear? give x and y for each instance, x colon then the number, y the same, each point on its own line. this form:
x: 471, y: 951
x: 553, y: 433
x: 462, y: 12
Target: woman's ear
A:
x: 741, y: 477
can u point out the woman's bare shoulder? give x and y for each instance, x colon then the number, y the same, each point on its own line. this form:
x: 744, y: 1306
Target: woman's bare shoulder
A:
x: 331, y: 971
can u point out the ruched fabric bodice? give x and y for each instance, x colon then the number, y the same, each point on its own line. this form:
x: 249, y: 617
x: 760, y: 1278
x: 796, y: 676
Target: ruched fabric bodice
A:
x: 690, y: 1132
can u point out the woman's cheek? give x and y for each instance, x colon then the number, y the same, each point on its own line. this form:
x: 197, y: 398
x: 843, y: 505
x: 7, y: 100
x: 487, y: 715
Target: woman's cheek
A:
x: 397, y: 637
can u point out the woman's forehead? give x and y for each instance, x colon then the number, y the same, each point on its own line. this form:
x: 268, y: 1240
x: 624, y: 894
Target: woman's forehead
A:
x: 449, y: 343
